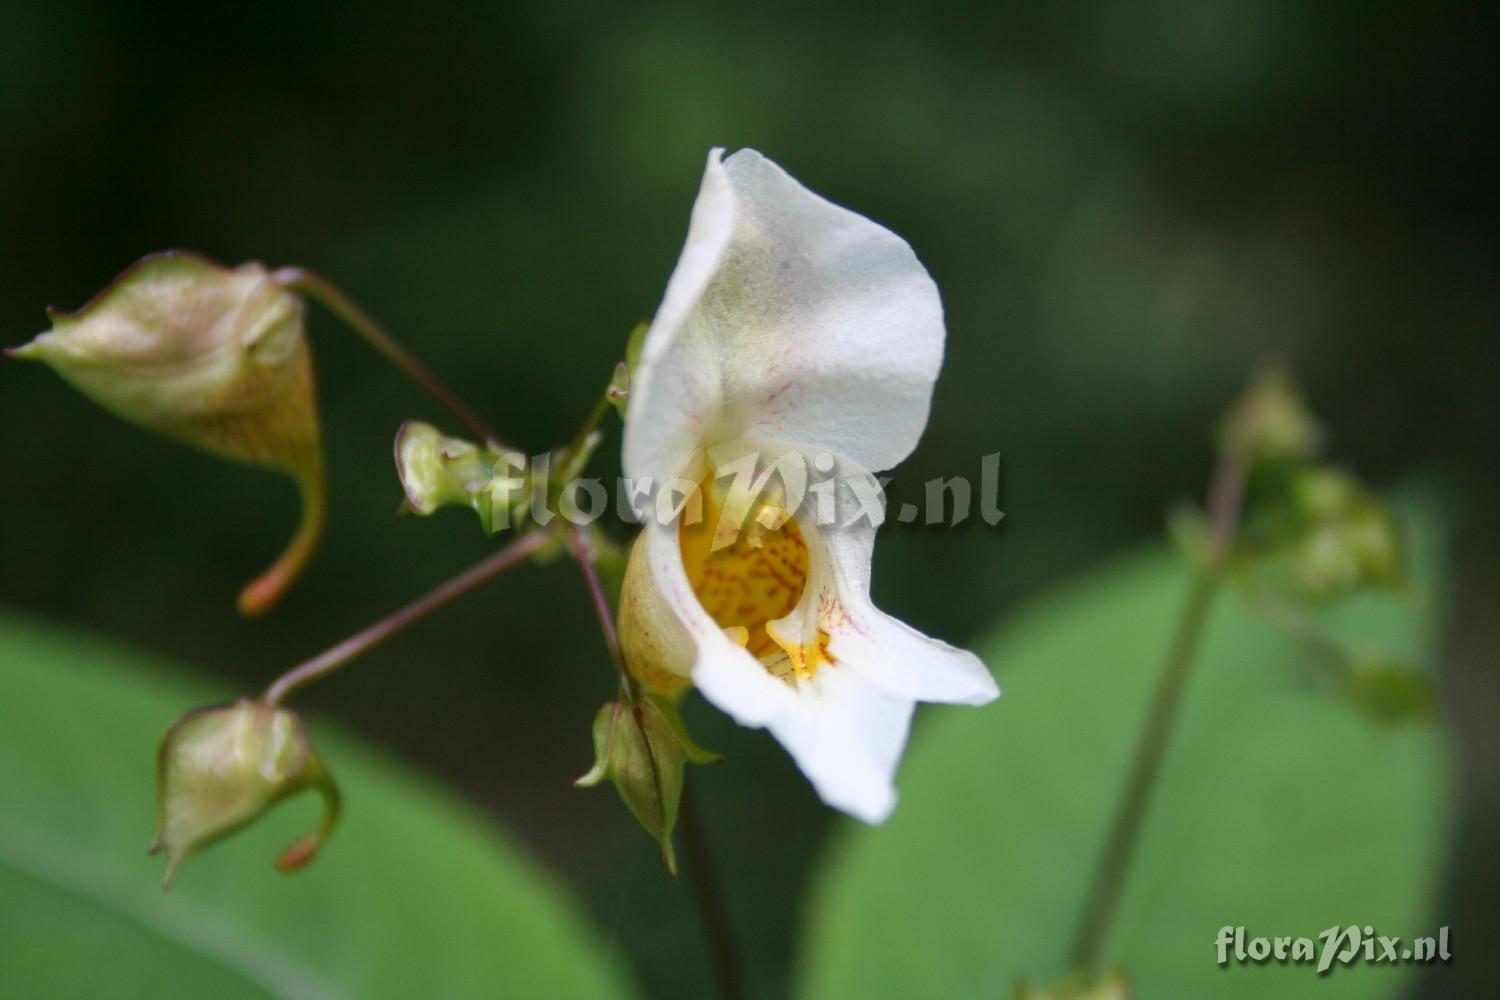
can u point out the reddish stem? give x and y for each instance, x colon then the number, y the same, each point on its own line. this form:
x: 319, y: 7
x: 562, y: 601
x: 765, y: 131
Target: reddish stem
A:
x: 330, y: 660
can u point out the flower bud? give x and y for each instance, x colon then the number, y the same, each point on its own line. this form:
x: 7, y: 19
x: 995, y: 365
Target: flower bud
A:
x: 437, y: 471
x: 211, y: 356
x: 1324, y: 494
x: 643, y: 748
x: 619, y: 384
x: 1349, y: 538
x: 619, y: 388
x: 222, y: 767
x: 1271, y: 424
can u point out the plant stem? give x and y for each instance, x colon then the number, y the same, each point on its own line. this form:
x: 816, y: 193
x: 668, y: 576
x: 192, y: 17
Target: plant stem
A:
x: 573, y: 458
x: 713, y: 916
x: 1130, y: 814
x: 1225, y: 500
x: 319, y: 288
x: 330, y: 660
x: 578, y: 544
x: 601, y: 407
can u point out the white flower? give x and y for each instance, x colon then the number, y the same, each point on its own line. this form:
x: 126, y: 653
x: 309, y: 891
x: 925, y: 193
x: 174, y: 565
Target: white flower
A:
x: 791, y: 327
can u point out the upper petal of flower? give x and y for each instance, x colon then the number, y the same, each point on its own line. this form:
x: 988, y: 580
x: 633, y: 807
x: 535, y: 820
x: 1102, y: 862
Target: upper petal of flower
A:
x: 675, y: 390
x: 788, y: 319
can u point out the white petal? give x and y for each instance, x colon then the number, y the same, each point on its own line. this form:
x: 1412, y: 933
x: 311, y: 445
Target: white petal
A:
x: 675, y: 391
x: 847, y: 725
x: 788, y: 318
x: 885, y: 651
x: 845, y: 732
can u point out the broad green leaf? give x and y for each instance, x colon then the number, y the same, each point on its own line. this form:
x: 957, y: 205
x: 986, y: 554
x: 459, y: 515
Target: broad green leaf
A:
x: 1283, y: 807
x: 411, y: 897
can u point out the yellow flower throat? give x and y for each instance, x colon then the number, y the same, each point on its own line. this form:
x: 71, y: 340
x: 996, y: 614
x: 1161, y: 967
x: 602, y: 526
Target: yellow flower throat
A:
x: 754, y: 576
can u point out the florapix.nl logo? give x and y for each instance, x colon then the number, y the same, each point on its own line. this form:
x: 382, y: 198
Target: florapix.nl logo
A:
x: 1338, y: 945
x: 738, y: 488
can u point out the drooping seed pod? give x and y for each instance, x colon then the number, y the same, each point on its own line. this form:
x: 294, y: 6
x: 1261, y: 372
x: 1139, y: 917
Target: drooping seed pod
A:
x: 212, y: 356
x: 221, y: 768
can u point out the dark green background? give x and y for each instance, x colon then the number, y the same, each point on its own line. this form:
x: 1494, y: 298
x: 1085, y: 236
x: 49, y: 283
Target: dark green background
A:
x: 1126, y: 207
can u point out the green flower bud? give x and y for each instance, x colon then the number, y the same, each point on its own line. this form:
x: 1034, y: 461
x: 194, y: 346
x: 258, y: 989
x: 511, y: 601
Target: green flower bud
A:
x: 222, y: 767
x: 437, y: 471
x: 619, y: 388
x: 1271, y: 423
x: 211, y: 356
x: 1375, y: 538
x: 643, y: 748
x: 1349, y: 538
x: 619, y: 384
x: 1324, y: 494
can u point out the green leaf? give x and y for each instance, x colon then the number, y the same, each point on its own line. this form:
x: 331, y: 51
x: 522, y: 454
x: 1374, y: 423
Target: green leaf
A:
x: 1282, y: 807
x: 411, y: 897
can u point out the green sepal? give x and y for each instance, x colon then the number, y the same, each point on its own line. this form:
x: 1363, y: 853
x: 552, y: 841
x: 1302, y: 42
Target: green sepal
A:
x: 643, y: 749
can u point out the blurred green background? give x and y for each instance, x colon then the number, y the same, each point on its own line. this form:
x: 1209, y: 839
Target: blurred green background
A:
x: 1126, y: 206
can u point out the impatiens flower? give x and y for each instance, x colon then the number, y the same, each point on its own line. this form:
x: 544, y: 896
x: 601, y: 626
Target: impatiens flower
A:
x: 795, y: 337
